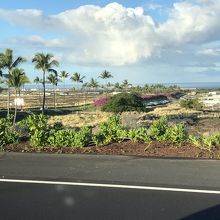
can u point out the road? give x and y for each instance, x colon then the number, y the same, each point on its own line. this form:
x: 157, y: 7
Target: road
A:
x: 46, y: 186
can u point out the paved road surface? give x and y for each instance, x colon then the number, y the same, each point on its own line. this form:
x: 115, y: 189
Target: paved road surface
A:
x: 61, y: 199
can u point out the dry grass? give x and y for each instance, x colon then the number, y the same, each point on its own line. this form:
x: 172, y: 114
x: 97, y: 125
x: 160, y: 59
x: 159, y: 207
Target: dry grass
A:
x: 81, y: 119
x: 171, y: 109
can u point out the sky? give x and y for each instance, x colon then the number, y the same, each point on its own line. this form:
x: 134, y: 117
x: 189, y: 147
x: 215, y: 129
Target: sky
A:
x: 154, y: 41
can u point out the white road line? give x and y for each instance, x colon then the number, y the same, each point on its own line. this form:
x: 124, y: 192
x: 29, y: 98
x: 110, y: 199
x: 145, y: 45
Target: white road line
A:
x: 111, y: 186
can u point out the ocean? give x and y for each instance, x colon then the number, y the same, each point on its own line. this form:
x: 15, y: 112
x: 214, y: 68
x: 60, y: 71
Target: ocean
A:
x: 188, y: 85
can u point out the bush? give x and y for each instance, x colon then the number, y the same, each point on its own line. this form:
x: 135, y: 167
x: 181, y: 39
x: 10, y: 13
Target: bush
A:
x: 191, y: 104
x: 158, y: 129
x: 139, y: 134
x: 124, y: 102
x: 38, y: 129
x: 70, y: 137
x: 8, y: 134
x: 108, y: 131
x: 101, y: 101
x: 176, y: 134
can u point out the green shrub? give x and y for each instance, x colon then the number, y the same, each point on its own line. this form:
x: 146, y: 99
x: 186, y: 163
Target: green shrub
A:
x: 70, y: 137
x: 124, y: 102
x: 108, y: 131
x: 139, y: 134
x: 8, y: 134
x: 158, y: 129
x: 197, y: 141
x: 191, y: 104
x: 38, y: 128
x: 176, y: 134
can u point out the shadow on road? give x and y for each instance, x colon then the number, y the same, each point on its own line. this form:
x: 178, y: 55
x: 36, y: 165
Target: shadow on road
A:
x: 212, y: 213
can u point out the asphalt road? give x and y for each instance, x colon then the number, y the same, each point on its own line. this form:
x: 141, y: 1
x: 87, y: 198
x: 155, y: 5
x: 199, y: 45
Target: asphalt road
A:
x: 61, y: 200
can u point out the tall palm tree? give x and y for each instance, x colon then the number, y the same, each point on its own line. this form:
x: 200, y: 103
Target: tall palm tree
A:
x: 63, y: 75
x: 53, y: 79
x: 106, y: 75
x: 93, y: 83
x: 126, y: 84
x: 8, y: 62
x: 117, y: 86
x: 76, y: 77
x: 16, y: 79
x: 44, y: 62
x: 37, y: 81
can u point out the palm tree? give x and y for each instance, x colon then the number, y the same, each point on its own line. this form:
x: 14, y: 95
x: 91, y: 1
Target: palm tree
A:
x: 44, y: 62
x: 37, y: 81
x: 93, y: 83
x: 53, y: 79
x: 76, y: 77
x: 63, y: 75
x: 8, y: 62
x: 117, y: 86
x: 126, y: 84
x: 105, y: 75
x: 16, y: 79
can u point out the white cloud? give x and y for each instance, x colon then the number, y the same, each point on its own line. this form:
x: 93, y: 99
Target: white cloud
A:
x: 38, y: 41
x: 153, y: 6
x: 116, y: 35
x: 209, y: 52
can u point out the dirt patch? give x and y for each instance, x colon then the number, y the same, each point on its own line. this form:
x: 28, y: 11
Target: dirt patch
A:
x: 154, y: 149
x: 205, y: 127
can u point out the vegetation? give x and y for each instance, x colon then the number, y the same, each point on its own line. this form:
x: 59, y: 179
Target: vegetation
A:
x: 124, y: 102
x: 44, y: 62
x: 76, y: 77
x: 7, y: 134
x: 53, y: 79
x: 105, y: 75
x: 16, y: 79
x: 191, y: 104
x: 7, y: 63
x: 40, y: 133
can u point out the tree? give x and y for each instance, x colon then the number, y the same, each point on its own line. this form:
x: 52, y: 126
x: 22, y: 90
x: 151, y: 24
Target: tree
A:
x: 53, y: 79
x: 93, y: 83
x: 44, y: 62
x: 76, y: 77
x: 126, y: 84
x: 37, y: 81
x: 16, y: 79
x: 8, y: 62
x: 117, y: 86
x: 63, y: 75
x: 105, y: 75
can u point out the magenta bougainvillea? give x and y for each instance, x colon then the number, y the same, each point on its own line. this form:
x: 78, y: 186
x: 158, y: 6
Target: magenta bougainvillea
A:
x: 101, y: 101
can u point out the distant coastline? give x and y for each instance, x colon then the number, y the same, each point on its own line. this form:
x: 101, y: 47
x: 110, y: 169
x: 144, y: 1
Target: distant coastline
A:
x: 188, y: 85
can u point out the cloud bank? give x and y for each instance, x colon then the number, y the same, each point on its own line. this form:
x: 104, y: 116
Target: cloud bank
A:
x: 115, y: 35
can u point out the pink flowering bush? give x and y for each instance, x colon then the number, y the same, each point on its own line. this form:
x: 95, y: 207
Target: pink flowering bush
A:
x: 101, y: 101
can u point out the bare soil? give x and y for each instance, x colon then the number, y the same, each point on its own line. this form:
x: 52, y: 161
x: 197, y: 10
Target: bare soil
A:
x: 154, y: 149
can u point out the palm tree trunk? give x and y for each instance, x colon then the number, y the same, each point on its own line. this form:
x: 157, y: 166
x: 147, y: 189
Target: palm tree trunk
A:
x: 15, y: 115
x: 44, y: 95
x: 8, y: 106
x: 38, y: 88
x: 64, y: 89
x: 54, y: 97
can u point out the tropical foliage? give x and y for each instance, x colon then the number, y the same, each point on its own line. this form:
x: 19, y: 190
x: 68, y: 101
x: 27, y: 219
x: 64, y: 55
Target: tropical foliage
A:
x: 45, y: 63
x: 41, y: 134
x: 124, y: 102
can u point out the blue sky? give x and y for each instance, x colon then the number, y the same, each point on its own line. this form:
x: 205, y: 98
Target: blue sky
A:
x: 143, y: 41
